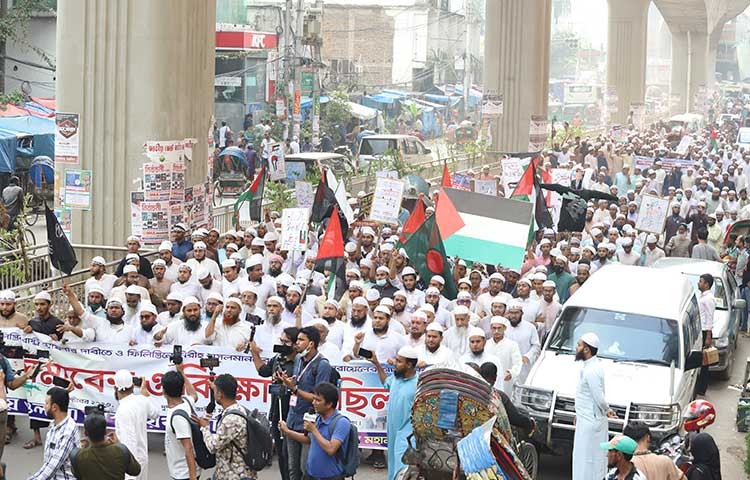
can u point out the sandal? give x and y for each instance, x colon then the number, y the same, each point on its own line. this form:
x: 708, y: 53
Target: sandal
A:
x: 378, y: 464
x: 9, y: 434
x: 31, y: 444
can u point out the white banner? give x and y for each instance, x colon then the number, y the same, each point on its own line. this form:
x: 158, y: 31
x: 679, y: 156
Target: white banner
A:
x: 386, y: 203
x: 294, y: 226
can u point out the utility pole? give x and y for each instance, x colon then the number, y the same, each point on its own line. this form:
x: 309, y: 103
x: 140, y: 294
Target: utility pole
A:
x: 467, y: 54
x: 288, y: 59
x: 297, y: 86
x: 3, y: 13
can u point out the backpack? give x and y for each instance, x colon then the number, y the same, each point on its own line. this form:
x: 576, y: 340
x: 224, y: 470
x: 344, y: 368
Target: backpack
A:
x: 203, y: 457
x: 259, y: 444
x: 335, y: 377
x: 351, y: 457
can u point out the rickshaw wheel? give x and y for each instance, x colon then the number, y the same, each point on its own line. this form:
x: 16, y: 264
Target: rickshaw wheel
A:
x: 31, y: 217
x: 529, y: 457
x: 217, y: 195
x: 29, y: 237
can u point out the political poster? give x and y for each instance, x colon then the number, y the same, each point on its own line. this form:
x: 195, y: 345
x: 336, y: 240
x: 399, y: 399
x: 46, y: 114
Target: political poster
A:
x: 276, y: 166
x: 304, y: 194
x: 461, y: 181
x: 200, y: 215
x: 91, y: 367
x: 67, y: 138
x: 154, y: 221
x: 294, y: 228
x: 512, y: 173
x: 487, y: 187
x: 537, y: 133
x: 136, y: 198
x: 157, y: 181
x: 167, y: 151
x: 365, y: 203
x: 177, y: 183
x: 77, y: 189
x: 652, y: 214
x: 386, y: 201
x: 176, y: 214
x: 65, y: 219
x: 492, y: 105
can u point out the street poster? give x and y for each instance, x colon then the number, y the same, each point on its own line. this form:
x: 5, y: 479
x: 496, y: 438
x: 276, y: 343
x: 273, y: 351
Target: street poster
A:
x: 512, y: 173
x: 65, y: 218
x: 167, y: 151
x: 492, y: 105
x: 461, y: 181
x: 487, y: 187
x: 77, y: 189
x: 276, y: 166
x: 157, y: 181
x: 365, y: 203
x: 307, y: 81
x: 136, y: 198
x: 685, y: 143
x: 537, y: 133
x: 280, y: 108
x: 652, y: 214
x: 177, y: 184
x: 91, y: 367
x: 294, y: 228
x: 154, y: 221
x: 304, y: 193
x: 386, y: 202
x: 199, y: 214
x: 176, y: 214
x: 67, y: 138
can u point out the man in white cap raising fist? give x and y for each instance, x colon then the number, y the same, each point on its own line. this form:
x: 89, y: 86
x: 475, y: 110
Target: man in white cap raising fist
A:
x: 591, y: 413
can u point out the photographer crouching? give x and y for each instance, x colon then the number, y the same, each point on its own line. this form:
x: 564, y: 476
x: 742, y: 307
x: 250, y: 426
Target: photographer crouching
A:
x: 283, y: 361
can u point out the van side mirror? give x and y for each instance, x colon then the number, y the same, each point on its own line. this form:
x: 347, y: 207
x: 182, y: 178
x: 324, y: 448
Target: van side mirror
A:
x: 694, y: 360
x: 740, y: 303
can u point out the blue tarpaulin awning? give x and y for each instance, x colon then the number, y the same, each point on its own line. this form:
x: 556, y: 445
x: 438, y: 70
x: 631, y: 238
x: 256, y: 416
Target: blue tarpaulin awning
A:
x: 13, y: 133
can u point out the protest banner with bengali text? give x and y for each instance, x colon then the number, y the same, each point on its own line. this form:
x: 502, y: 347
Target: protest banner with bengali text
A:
x: 154, y: 222
x: 486, y: 187
x: 303, y: 191
x: 512, y: 173
x: 91, y: 368
x: 386, y: 202
x: 157, y: 181
x: 168, y: 151
x: 294, y: 227
x: 652, y: 214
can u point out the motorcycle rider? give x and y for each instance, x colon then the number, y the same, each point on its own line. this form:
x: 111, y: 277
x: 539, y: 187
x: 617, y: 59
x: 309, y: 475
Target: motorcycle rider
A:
x: 698, y: 415
x: 652, y: 465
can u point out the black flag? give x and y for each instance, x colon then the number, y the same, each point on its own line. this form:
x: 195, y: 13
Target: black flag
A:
x: 61, y: 254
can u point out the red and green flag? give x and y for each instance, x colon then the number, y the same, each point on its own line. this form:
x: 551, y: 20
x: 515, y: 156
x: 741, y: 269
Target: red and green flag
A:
x: 425, y: 249
x: 330, y: 257
x: 446, y: 180
x: 714, y: 140
x: 254, y: 192
x: 415, y: 220
x: 529, y: 189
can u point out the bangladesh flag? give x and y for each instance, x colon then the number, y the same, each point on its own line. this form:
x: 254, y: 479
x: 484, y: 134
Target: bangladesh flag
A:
x: 330, y: 257
x: 425, y: 249
x: 254, y: 195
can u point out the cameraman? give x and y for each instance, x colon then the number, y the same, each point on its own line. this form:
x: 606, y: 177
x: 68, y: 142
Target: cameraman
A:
x: 102, y: 456
x: 178, y: 439
x: 62, y: 438
x: 133, y: 411
x: 12, y: 381
x: 279, y: 393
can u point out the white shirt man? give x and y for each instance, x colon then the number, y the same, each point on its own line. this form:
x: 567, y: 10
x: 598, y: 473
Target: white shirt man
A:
x: 175, y: 452
x: 433, y: 351
x: 189, y: 330
x: 525, y: 335
x: 478, y: 357
x: 507, y: 351
x: 107, y: 332
x: 141, y: 336
x: 235, y: 334
x: 385, y: 344
x: 106, y: 280
x: 267, y: 334
x: 133, y: 411
x: 456, y: 338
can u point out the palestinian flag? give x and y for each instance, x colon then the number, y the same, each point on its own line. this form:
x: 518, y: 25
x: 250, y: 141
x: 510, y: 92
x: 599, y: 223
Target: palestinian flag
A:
x: 253, y: 195
x: 330, y: 194
x: 415, y: 220
x: 714, y: 140
x: 446, y: 180
x: 482, y: 228
x: 425, y: 249
x: 330, y: 257
x: 528, y: 189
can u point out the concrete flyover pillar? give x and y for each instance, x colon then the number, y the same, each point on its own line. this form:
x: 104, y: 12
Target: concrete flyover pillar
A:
x: 697, y: 61
x: 517, y: 66
x: 713, y: 46
x: 679, y: 82
x: 135, y: 70
x: 626, y: 53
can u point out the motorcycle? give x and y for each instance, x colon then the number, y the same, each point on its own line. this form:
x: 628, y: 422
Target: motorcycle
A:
x: 677, y: 448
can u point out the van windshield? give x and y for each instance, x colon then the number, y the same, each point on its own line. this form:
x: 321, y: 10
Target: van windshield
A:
x: 376, y: 146
x: 622, y: 336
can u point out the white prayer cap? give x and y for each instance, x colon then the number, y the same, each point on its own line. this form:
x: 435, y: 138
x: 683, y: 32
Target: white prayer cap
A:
x: 113, y: 301
x: 372, y: 295
x: 408, y: 352
x: 129, y: 269
x: 350, y: 247
x: 463, y: 295
x: 354, y: 271
x: 476, y: 332
x: 10, y: 296
x: 545, y: 241
x: 435, y: 327
x: 149, y: 307
x: 257, y: 242
x: 215, y: 296
x: 43, y: 295
x: 158, y: 262
x: 123, y: 380
x: 234, y: 300
x: 294, y: 288
x: 382, y: 309
x: 408, y: 271
x: 231, y: 246
x: 199, y: 246
x: 165, y: 245
x: 270, y: 237
x: 595, y: 232
x: 438, y: 279
x: 189, y: 300
x: 319, y: 322
x: 419, y: 315
x: 133, y: 238
x: 357, y: 284
x: 460, y: 310
x: 331, y: 301
x: 386, y: 301
x: 427, y: 308
x: 432, y: 291
x: 175, y: 297
x: 383, y: 268
x: 98, y: 261
x: 133, y: 290
x: 524, y: 280
x: 185, y: 266
x: 651, y: 238
x: 131, y: 256
x: 254, y: 260
x: 499, y: 320
x: 360, y: 301
x: 549, y: 283
x: 400, y: 293
x: 498, y: 299
x: 515, y: 305
x: 203, y: 273
x: 590, y: 339
x: 497, y: 276
x: 367, y: 231
x: 275, y: 299
x: 539, y: 276
x: 228, y: 263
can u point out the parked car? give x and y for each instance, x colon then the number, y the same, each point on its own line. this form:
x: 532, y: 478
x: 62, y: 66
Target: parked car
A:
x: 729, y: 305
x: 412, y: 150
x: 650, y: 337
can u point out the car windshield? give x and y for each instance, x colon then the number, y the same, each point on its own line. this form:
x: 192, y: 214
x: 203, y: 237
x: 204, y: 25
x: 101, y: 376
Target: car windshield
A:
x: 376, y: 146
x: 718, y: 290
x: 744, y: 136
x: 622, y: 336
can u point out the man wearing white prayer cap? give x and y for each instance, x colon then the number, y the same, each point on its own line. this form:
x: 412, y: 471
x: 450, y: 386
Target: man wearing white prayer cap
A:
x: 381, y: 338
x: 433, y: 351
x: 8, y: 316
x: 188, y: 329
x: 98, y: 270
x: 591, y: 412
x: 479, y: 354
x: 269, y: 332
x: 456, y: 338
x: 507, y: 351
x: 525, y: 334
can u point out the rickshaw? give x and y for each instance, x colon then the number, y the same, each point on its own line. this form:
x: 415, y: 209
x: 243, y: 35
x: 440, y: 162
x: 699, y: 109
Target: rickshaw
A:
x: 38, y: 187
x: 452, y: 403
x: 460, y: 136
x: 230, y: 174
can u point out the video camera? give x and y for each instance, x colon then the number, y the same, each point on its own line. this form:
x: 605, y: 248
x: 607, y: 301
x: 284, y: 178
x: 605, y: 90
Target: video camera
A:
x: 11, y: 352
x: 210, y: 362
x: 97, y: 409
x: 176, y: 357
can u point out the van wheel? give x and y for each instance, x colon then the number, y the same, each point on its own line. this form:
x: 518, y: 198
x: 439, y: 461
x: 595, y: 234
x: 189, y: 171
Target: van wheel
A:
x: 727, y: 372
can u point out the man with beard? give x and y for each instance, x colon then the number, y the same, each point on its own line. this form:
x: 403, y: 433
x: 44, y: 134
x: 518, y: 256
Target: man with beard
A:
x: 456, y: 338
x: 275, y: 262
x: 180, y: 245
x: 200, y: 261
x: 231, y: 332
x: 550, y: 307
x: 326, y: 348
x: 652, y: 253
x: 417, y: 329
x: 434, y: 299
x: 208, y: 284
x: 173, y: 311
x: 184, y: 286
x: 171, y: 263
x: 400, y: 314
x: 99, y: 275
x: 9, y: 318
x: 188, y: 331
x: 402, y: 387
x: 264, y: 286
x: 414, y: 296
x: 511, y: 278
x: 383, y: 282
x: 602, y: 256
x: 506, y: 350
x: 532, y: 311
x: 679, y: 245
x: 62, y: 439
x: 291, y: 314
x: 367, y: 242
x: 159, y: 284
x: 144, y: 333
x: 267, y: 334
x: 232, y: 281
x: 72, y: 331
x: 525, y: 335
x: 433, y: 351
x: 495, y: 288
x: 478, y: 354
x: 213, y: 302
x: 111, y: 329
x: 133, y: 244
x: 358, y: 322
x: 699, y: 221
x: 591, y: 413
x: 626, y: 256
x: 584, y: 272
x: 673, y: 222
x: 335, y: 327
x: 250, y: 310
x: 132, y: 306
x: 43, y: 322
x: 560, y: 276
x: 380, y: 338
x: 131, y: 277
x: 438, y: 282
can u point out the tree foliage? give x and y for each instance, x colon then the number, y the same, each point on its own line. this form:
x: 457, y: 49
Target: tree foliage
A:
x: 14, y: 24
x: 335, y: 114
